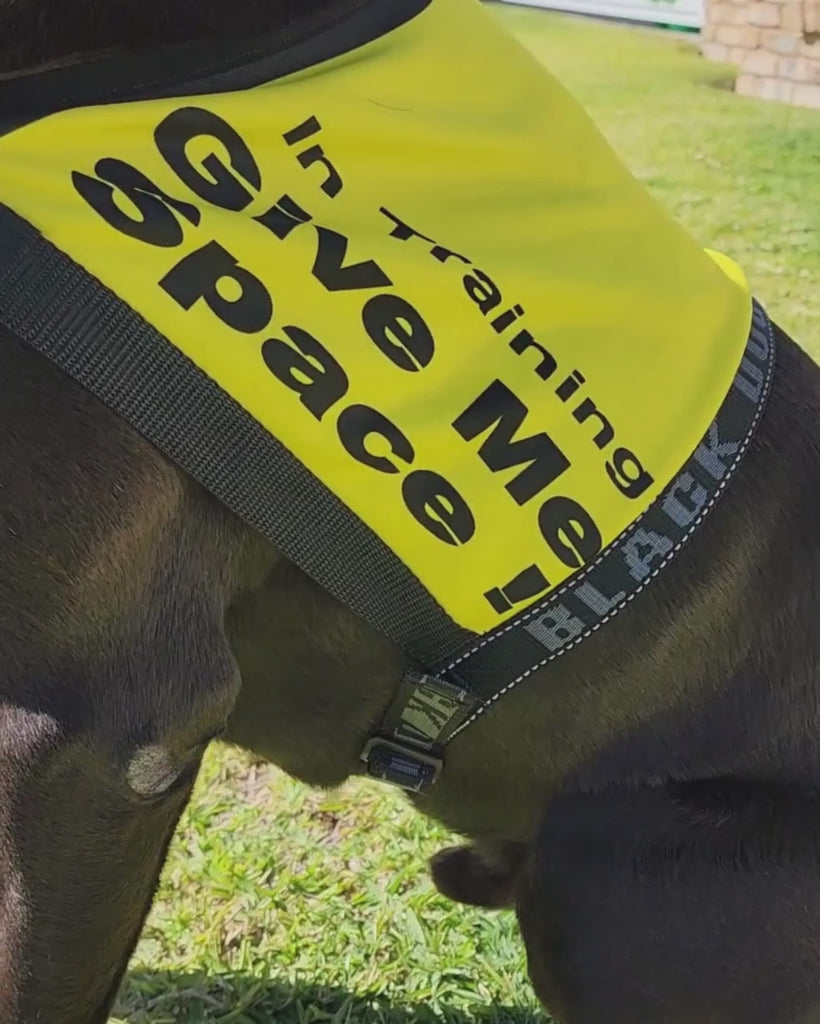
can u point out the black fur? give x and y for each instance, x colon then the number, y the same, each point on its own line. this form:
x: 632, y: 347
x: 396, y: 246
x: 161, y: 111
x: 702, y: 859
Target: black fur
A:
x: 649, y: 805
x: 35, y: 32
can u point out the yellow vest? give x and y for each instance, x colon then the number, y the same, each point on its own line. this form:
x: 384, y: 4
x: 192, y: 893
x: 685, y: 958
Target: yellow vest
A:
x: 421, y: 268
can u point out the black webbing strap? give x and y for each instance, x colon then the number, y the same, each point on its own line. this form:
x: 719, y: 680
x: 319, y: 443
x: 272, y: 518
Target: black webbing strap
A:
x: 58, y: 308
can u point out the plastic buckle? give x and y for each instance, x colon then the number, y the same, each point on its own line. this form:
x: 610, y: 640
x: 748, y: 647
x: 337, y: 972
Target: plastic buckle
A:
x: 401, y: 765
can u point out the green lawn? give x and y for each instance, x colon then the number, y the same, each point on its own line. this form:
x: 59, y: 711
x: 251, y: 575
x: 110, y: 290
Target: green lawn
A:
x: 743, y: 175
x: 283, y: 905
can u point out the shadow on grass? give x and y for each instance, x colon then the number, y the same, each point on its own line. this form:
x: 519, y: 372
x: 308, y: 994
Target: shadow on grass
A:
x: 177, y: 998
x: 725, y: 80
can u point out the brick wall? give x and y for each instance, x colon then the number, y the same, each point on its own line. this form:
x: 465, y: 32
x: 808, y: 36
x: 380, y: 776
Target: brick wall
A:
x: 775, y: 45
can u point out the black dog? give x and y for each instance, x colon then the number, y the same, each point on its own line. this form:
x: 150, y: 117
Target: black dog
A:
x: 650, y: 808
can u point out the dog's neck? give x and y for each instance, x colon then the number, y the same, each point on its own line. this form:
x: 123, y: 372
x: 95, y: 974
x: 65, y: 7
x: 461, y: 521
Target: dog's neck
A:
x: 38, y: 35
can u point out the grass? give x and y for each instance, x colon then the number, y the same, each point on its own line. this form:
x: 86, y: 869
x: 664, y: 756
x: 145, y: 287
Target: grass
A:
x: 741, y: 174
x: 284, y: 905
x: 281, y: 904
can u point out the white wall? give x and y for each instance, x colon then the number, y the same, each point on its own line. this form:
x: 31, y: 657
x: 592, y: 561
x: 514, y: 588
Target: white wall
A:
x: 665, y: 12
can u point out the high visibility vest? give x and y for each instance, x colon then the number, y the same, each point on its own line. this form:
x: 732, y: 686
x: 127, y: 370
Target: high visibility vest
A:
x: 402, y: 308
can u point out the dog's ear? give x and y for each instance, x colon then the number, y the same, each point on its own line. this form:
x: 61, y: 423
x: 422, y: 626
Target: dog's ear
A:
x: 481, y: 875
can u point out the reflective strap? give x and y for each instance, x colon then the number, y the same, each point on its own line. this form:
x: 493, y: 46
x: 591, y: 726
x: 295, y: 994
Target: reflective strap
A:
x: 428, y: 711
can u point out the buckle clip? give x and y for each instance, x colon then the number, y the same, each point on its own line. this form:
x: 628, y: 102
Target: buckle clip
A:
x: 402, y: 765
